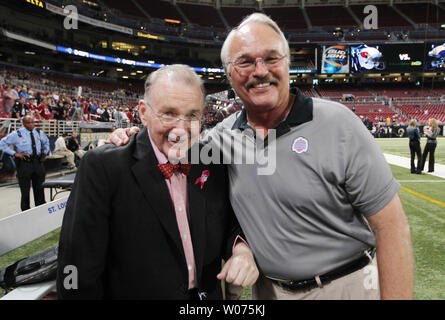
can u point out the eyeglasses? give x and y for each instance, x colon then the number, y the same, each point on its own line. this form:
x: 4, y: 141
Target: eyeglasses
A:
x: 246, y: 66
x: 170, y: 119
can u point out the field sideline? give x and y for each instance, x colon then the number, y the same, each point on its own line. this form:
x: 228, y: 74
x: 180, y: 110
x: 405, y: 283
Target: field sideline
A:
x: 423, y: 198
x: 399, y: 147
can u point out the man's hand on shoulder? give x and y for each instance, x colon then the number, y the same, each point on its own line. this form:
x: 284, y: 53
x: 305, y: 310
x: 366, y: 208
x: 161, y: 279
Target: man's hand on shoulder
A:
x: 121, y: 136
x: 240, y: 269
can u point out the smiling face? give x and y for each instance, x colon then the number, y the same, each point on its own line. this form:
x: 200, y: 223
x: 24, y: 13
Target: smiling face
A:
x: 175, y: 98
x: 265, y: 88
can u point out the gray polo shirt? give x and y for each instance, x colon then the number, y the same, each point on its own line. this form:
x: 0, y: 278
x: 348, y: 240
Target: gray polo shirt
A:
x: 307, y: 218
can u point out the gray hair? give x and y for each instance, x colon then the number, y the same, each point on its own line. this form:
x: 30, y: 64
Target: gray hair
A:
x: 253, y: 18
x: 175, y: 72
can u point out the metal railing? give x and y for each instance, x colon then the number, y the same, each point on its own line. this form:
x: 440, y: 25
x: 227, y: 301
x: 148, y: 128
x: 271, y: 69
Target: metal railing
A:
x: 49, y: 127
x: 56, y: 128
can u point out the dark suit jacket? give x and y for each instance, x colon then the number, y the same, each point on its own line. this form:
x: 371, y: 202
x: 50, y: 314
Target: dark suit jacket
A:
x: 120, y: 231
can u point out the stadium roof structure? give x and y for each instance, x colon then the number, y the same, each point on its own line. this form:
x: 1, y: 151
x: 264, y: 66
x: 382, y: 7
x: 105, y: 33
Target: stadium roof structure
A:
x: 290, y: 3
x: 294, y: 16
x: 109, y: 37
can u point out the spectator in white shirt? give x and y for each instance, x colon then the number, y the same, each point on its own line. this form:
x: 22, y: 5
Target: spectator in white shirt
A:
x: 61, y: 149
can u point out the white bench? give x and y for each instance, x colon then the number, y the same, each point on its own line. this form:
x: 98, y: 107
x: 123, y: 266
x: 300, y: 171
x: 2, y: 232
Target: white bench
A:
x: 24, y: 227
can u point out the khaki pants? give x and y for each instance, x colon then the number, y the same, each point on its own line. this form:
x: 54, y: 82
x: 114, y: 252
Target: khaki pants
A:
x: 230, y: 291
x: 80, y: 153
x: 69, y: 156
x: 362, y: 284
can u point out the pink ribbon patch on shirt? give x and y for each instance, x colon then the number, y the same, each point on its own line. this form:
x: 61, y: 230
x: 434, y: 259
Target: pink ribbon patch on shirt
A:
x: 203, y: 178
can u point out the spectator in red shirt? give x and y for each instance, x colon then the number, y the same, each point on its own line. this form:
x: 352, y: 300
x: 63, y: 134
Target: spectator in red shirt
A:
x: 44, y: 110
x: 86, y: 110
x: 130, y: 114
x: 32, y: 106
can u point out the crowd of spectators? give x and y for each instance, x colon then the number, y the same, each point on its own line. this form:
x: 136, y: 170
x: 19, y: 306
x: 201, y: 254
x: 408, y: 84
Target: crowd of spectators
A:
x: 17, y: 100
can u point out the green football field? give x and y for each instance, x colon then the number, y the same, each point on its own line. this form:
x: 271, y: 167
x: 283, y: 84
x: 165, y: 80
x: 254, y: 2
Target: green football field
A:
x: 423, y: 198
x: 399, y: 146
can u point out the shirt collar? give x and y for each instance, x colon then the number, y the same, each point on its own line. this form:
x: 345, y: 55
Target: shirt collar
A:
x: 28, y: 131
x: 301, y: 112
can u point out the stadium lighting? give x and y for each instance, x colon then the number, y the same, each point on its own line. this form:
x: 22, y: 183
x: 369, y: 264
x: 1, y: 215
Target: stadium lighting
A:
x: 119, y: 69
x: 172, y: 21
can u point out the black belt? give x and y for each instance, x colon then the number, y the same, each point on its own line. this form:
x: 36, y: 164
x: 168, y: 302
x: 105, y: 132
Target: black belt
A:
x: 30, y: 158
x: 309, y: 284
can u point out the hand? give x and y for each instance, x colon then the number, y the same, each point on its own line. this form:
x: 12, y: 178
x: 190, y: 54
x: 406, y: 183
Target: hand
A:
x: 21, y: 155
x: 120, y: 136
x: 240, y: 269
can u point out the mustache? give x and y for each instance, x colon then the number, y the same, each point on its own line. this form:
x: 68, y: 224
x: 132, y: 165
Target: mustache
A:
x: 255, y: 81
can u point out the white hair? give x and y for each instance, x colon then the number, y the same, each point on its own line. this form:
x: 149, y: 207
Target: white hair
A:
x: 253, y: 18
x: 175, y: 72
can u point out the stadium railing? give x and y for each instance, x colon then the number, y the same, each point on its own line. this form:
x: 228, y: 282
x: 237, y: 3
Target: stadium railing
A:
x: 55, y: 128
x: 49, y: 127
x: 24, y: 227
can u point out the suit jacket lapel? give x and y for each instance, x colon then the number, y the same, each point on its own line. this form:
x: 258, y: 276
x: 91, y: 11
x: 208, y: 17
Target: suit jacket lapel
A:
x: 197, y: 209
x: 155, y: 190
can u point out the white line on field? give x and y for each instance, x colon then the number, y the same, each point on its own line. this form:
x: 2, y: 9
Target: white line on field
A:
x: 431, y: 215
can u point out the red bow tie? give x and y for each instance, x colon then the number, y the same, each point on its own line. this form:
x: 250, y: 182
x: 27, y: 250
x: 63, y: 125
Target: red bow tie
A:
x: 168, y: 169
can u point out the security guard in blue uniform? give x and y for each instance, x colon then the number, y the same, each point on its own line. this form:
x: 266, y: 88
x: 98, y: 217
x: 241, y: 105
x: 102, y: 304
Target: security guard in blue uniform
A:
x: 31, y: 146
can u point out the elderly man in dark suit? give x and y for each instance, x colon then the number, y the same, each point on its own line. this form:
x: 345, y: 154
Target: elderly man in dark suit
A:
x: 141, y: 225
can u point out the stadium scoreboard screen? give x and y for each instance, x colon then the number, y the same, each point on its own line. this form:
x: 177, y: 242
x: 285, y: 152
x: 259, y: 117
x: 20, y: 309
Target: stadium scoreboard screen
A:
x: 435, y: 56
x: 403, y: 57
x: 378, y: 58
x: 335, y: 59
x: 387, y: 58
x: 303, y: 59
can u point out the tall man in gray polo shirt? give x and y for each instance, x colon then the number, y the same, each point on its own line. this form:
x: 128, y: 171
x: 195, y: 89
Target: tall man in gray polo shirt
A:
x: 313, y: 222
